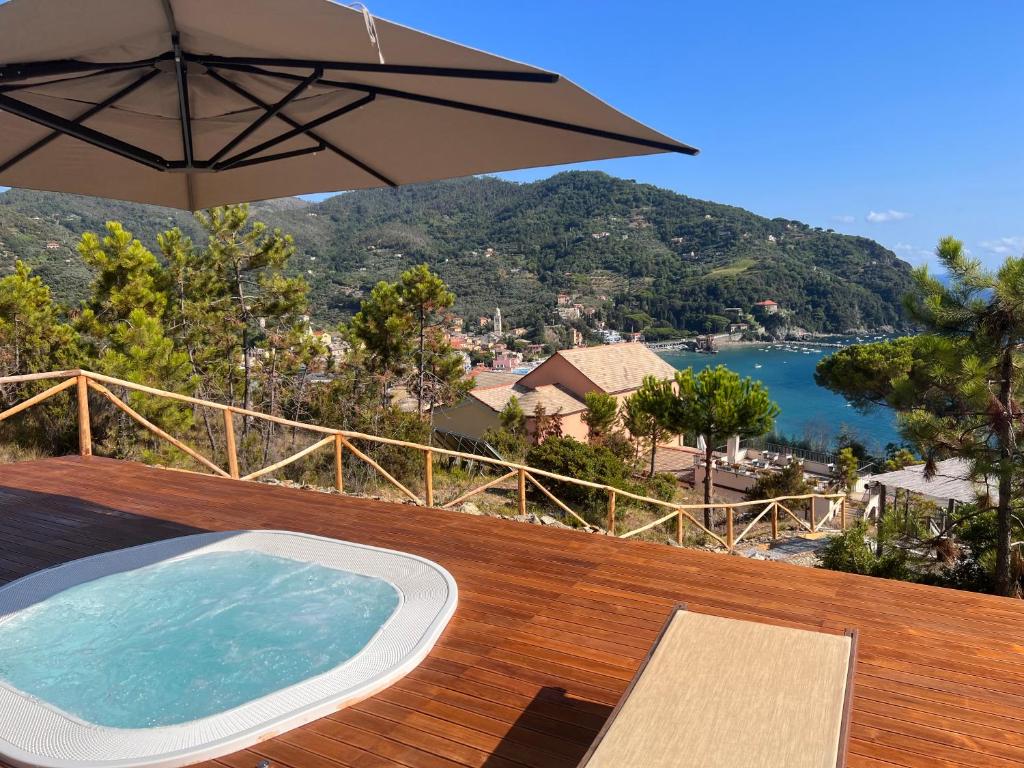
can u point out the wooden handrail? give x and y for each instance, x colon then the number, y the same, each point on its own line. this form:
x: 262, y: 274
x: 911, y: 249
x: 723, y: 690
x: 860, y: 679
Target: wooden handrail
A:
x: 46, y: 394
x: 833, y: 507
x: 753, y: 522
x: 788, y: 511
x: 123, y: 406
x: 342, y: 439
x: 558, y: 502
x: 684, y: 510
x: 478, y: 489
x: 387, y: 475
x: 25, y: 377
x: 293, y: 458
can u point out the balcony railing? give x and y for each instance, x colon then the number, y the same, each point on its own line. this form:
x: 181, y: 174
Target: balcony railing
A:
x: 342, y: 442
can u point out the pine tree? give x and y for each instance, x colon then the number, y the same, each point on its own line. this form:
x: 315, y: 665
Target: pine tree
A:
x: 956, y: 385
x: 122, y: 325
x: 717, y: 404
x: 425, y: 296
x: 441, y: 379
x: 234, y: 308
x: 32, y: 336
x: 383, y: 326
x: 243, y: 266
x: 512, y: 418
x: 601, y: 414
x: 647, y: 412
x: 139, y: 351
x: 128, y: 276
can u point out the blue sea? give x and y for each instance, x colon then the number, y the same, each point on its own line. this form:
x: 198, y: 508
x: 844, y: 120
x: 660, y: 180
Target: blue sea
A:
x: 807, y: 410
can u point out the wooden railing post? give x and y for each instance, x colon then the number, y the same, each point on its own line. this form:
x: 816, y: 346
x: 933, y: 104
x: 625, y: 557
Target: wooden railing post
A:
x: 428, y: 467
x: 611, y: 511
x: 680, y: 528
x: 229, y: 443
x: 812, y: 515
x: 522, y: 491
x: 729, y: 529
x: 842, y: 513
x: 775, y: 521
x: 339, y: 474
x: 84, y: 429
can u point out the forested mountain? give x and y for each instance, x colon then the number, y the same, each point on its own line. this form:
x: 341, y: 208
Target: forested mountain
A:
x: 646, y: 256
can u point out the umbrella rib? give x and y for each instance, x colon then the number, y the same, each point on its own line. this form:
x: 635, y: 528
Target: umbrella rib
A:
x: 54, y: 68
x: 63, y: 80
x: 82, y: 133
x: 390, y: 69
x: 518, y: 116
x: 269, y: 112
x: 296, y: 124
x: 480, y: 109
x: 184, y: 109
x: 320, y: 147
x: 224, y: 165
x: 96, y: 108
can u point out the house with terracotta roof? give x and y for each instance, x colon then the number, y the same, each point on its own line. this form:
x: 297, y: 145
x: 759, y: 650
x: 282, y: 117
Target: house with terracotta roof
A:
x: 558, y: 385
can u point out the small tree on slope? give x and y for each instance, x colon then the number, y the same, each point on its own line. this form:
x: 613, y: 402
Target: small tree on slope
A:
x: 717, y: 404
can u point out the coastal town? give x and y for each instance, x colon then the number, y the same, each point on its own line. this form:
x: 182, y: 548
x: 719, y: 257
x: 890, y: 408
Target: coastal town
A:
x: 498, y: 344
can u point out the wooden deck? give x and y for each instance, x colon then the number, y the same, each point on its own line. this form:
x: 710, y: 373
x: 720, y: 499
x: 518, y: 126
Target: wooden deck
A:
x: 552, y: 624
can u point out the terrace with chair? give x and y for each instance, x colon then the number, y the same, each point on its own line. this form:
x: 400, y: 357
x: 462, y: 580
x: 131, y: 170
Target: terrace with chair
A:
x: 552, y: 626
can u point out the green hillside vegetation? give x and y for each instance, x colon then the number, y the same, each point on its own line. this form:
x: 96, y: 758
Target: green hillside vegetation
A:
x: 645, y: 257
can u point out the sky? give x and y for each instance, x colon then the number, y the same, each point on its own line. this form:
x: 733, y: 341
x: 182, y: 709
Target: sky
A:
x: 896, y: 120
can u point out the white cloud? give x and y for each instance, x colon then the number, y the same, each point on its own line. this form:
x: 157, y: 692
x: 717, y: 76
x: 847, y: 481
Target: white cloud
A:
x: 844, y: 218
x: 1005, y: 246
x: 880, y: 217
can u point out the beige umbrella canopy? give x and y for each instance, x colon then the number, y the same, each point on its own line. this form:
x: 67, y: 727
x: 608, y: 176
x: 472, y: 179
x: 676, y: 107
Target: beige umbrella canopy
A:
x: 193, y: 103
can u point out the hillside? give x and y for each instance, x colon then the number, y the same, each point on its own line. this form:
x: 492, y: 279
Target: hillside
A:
x: 648, y: 255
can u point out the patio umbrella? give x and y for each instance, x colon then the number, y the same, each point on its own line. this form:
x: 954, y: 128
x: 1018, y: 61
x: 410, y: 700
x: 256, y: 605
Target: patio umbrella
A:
x: 193, y: 103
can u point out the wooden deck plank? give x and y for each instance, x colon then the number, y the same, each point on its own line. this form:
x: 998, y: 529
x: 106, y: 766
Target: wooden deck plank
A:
x: 552, y: 624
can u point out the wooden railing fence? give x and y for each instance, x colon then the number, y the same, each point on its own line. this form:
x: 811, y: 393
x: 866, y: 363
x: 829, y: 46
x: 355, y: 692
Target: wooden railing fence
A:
x: 341, y: 442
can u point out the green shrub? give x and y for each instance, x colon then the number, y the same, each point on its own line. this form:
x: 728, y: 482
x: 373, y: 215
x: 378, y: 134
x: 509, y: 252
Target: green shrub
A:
x: 789, y: 481
x: 851, y: 552
x: 593, y: 463
x: 511, y: 446
x: 663, y: 486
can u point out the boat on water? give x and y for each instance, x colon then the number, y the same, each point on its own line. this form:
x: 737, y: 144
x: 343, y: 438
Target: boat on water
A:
x: 757, y: 365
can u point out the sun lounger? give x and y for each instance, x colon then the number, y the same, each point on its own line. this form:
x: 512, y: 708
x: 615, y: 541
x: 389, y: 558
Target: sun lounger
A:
x: 716, y: 692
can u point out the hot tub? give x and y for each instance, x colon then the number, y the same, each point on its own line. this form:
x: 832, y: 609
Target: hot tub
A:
x: 182, y: 650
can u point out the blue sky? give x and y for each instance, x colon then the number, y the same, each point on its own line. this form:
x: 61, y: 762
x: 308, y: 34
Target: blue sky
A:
x: 900, y: 120
x: 896, y: 120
